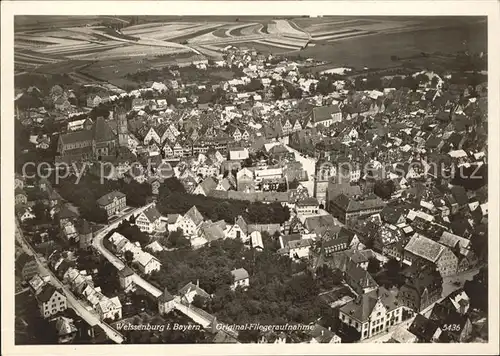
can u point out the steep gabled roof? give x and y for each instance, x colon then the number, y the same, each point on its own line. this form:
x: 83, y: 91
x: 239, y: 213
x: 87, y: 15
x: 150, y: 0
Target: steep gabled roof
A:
x: 424, y: 247
x: 102, y: 131
x: 195, y: 215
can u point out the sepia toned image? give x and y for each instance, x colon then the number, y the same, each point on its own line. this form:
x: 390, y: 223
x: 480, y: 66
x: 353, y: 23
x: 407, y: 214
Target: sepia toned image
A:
x: 251, y: 179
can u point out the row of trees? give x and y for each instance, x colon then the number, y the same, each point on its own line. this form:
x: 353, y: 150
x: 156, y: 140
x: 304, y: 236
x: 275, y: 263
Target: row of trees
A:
x: 173, y: 199
x: 89, y: 189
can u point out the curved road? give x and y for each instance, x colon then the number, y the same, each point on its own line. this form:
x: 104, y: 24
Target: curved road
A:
x: 98, y: 244
x: 91, y: 317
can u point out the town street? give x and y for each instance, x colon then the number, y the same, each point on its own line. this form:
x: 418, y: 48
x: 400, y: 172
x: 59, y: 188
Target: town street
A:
x: 90, y: 317
x: 308, y: 164
x: 138, y: 280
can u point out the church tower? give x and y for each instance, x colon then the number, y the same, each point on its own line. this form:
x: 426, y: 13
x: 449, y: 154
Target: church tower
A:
x: 122, y: 127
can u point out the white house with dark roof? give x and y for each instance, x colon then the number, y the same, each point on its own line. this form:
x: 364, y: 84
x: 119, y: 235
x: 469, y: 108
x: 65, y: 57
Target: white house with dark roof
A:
x: 326, y: 115
x: 109, y: 308
x: 113, y: 202
x: 239, y: 230
x: 51, y: 301
x: 372, y: 313
x: 149, y: 221
x: 421, y: 247
x: 191, y: 221
x: 241, y: 278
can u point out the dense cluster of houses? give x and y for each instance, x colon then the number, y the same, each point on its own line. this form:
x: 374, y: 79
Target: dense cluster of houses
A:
x: 379, y: 187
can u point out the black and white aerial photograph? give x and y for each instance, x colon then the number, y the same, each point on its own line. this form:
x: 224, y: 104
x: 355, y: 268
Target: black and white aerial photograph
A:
x: 250, y: 179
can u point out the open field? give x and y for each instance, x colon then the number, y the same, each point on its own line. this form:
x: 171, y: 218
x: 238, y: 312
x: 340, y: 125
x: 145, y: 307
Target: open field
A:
x: 86, y: 49
x: 36, y: 23
x: 374, y: 51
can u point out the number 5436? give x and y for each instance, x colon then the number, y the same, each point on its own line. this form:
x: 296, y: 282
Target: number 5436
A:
x: 451, y: 327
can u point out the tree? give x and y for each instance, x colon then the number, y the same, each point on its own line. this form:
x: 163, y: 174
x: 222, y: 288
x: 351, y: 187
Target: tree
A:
x: 384, y: 189
x: 394, y: 58
x: 373, y: 265
x: 278, y: 92
x: 199, y: 301
x: 434, y: 81
x: 393, y: 267
x: 176, y: 239
x: 312, y: 88
x: 40, y: 211
x: 410, y: 82
x: 94, y: 213
x: 254, y: 85
x: 129, y: 256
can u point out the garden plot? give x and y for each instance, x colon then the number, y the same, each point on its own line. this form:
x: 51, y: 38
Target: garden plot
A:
x: 340, y: 34
x: 69, y: 35
x: 82, y: 49
x: 236, y: 31
x: 279, y: 44
x: 187, y: 33
x: 286, y: 42
x: 47, y: 39
x: 136, y: 51
x: 205, y: 38
x: 209, y: 51
x: 284, y: 28
x: 251, y: 30
x: 161, y: 31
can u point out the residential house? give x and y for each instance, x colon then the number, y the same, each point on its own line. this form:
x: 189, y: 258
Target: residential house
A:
x: 297, y: 249
x: 205, y: 187
x: 245, y: 180
x: 113, y: 202
x: 321, y: 335
x: 18, y: 181
x: 372, y: 313
x: 347, y: 209
x: 149, y: 221
x: 273, y: 338
x: 421, y: 247
x: 26, y: 266
x: 190, y: 290
x: 241, y: 279
x: 191, y: 221
x: 51, y: 301
x: 166, y: 302
x: 238, y: 154
x: 402, y: 336
x: 147, y: 263
x: 173, y: 221
x: 256, y: 240
x: 425, y: 330
x: 210, y: 231
x: 151, y: 136
x: 109, y: 308
x: 359, y: 279
x: 308, y: 206
x: 313, y: 224
x: 126, y: 278
x: 20, y: 196
x: 65, y: 328
x: 325, y: 115
x: 423, y: 286
x: 27, y: 214
x: 239, y: 230
x: 456, y: 327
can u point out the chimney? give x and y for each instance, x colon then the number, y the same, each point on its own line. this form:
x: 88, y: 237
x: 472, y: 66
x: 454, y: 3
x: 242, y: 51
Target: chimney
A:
x: 198, y: 283
x: 322, y: 332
